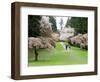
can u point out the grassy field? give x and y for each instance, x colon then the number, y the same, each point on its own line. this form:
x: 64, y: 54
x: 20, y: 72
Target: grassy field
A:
x: 58, y: 56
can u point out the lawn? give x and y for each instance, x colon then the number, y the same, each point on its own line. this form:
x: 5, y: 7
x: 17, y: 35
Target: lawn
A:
x: 58, y: 56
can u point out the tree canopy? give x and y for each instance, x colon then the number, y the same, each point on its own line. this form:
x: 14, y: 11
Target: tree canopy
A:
x: 80, y: 24
x: 33, y: 25
x: 52, y: 20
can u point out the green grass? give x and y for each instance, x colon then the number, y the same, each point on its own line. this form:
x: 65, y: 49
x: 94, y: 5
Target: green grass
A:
x: 58, y: 56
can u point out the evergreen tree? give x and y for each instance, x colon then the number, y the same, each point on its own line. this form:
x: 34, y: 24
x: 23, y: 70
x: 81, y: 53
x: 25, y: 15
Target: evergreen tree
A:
x: 61, y: 23
x: 79, y: 23
x: 33, y: 25
x: 52, y: 20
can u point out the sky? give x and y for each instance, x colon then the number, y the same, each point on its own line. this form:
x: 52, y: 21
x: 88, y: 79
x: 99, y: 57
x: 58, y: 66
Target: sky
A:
x: 58, y: 19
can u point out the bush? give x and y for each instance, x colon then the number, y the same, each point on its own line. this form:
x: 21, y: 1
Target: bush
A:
x: 79, y: 40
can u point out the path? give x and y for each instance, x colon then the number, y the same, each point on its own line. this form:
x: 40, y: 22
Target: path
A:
x: 62, y: 43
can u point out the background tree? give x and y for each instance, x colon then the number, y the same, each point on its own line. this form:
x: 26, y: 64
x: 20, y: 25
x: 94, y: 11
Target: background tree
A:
x: 33, y: 25
x: 45, y: 27
x: 68, y: 22
x: 52, y: 20
x: 61, y: 23
x: 80, y: 24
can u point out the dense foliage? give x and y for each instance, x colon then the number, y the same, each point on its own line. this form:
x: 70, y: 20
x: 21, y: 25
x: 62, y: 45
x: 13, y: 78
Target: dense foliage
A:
x: 33, y: 25
x: 52, y: 20
x: 80, y: 24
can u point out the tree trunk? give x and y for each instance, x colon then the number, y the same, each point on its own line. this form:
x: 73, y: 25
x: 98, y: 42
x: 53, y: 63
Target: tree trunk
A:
x: 36, y: 54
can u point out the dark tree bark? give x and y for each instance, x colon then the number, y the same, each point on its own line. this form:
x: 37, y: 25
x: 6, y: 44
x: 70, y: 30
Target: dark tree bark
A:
x: 36, y: 54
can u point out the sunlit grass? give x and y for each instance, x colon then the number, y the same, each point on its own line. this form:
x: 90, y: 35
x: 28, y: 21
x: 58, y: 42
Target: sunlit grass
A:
x: 58, y: 56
